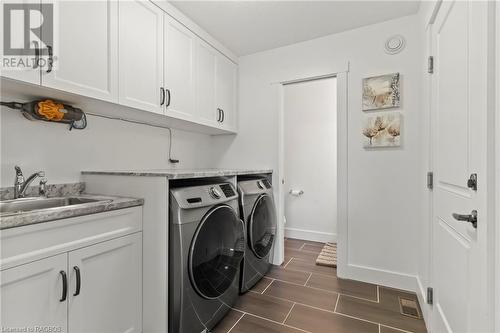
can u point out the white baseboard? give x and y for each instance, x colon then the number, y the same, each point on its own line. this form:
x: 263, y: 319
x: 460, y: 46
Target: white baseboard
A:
x: 379, y: 276
x: 316, y: 236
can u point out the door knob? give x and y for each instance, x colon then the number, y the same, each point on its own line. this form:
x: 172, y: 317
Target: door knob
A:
x: 472, y: 218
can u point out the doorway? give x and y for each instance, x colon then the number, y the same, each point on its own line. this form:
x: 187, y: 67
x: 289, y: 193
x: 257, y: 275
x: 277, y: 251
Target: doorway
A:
x: 310, y: 159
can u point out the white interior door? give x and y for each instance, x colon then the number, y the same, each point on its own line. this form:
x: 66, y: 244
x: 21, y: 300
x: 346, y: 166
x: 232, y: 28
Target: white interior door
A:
x: 310, y: 161
x: 32, y: 293
x: 109, y: 298
x: 86, y: 50
x: 459, y: 144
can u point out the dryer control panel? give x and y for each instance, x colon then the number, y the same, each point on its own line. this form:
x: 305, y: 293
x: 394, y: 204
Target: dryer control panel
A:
x: 203, y: 195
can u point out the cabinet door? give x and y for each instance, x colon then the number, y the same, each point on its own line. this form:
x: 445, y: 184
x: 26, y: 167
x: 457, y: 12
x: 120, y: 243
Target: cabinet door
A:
x: 85, y: 49
x: 206, y: 58
x: 31, y: 295
x: 12, y: 69
x: 141, y: 55
x: 226, y: 91
x: 109, y: 298
x: 179, y: 69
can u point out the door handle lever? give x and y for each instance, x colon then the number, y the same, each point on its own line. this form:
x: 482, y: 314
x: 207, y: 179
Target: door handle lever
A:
x: 471, y: 218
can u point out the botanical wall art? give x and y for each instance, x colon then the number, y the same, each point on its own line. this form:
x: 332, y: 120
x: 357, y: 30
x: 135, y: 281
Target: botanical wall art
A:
x: 383, y: 130
x: 381, y: 92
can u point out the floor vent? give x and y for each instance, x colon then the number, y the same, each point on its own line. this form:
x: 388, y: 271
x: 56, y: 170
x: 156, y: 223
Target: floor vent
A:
x: 409, y: 308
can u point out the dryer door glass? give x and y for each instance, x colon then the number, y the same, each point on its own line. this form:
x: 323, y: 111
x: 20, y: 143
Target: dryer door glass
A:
x: 216, y: 252
x: 262, y: 226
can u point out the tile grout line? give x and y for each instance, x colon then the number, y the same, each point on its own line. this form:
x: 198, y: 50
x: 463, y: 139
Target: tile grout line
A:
x: 336, y: 303
x: 378, y: 294
x: 287, y: 263
x: 273, y: 321
x: 395, y: 328
x: 263, y: 291
x: 300, y: 248
x: 325, y: 290
x: 379, y: 329
x: 236, y: 323
x: 288, y: 314
x: 305, y: 283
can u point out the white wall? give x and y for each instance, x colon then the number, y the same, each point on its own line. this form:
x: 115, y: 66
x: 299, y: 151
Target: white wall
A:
x: 105, y: 144
x: 383, y: 185
x: 310, y: 161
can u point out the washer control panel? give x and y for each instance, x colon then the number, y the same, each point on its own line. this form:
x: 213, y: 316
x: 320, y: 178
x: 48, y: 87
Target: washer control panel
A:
x: 214, y: 192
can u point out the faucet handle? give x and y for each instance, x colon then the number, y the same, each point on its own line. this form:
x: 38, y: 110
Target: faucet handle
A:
x: 41, y: 174
x: 18, y: 170
x: 42, y: 188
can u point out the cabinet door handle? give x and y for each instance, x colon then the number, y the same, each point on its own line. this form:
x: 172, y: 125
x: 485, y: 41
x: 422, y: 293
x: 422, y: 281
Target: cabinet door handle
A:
x: 64, y: 285
x: 37, y: 55
x: 51, y: 58
x: 78, y: 281
x: 168, y: 97
x: 162, y: 95
x: 223, y: 115
x: 218, y: 115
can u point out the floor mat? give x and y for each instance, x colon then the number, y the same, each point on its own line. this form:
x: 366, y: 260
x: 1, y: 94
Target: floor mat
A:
x: 328, y: 255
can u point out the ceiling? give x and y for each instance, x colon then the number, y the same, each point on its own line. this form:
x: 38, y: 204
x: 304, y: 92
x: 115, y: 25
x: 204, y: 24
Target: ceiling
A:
x: 247, y: 27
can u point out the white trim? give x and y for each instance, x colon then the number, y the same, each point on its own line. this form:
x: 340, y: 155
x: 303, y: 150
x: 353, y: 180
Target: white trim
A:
x: 380, y: 277
x: 316, y: 236
x: 497, y: 173
x: 341, y: 164
x: 342, y: 173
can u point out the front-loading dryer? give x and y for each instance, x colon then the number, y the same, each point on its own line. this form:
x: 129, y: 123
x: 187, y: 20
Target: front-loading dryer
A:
x: 206, y: 248
x: 259, y: 215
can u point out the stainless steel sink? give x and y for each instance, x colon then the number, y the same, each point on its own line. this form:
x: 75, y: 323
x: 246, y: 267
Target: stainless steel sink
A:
x: 18, y: 206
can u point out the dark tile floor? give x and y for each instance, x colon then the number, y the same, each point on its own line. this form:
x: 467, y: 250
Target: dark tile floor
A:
x: 300, y: 296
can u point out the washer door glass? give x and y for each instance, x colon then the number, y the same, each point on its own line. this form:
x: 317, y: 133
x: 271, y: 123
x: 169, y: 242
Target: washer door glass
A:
x: 216, y: 252
x: 262, y: 226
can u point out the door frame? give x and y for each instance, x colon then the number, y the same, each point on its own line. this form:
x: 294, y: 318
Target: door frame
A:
x: 342, y: 167
x: 497, y: 162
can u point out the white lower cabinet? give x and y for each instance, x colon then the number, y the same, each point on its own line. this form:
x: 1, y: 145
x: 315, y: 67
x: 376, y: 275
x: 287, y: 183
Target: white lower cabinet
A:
x: 97, y: 288
x: 31, y: 295
x: 109, y: 297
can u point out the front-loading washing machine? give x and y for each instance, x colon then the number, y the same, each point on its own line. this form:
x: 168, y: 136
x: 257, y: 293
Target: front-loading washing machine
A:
x: 207, y: 245
x: 259, y: 215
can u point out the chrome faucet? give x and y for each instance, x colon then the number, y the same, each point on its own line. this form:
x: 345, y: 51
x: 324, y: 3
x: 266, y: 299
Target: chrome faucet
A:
x: 20, y: 184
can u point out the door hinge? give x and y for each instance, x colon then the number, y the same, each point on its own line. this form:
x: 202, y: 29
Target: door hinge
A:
x: 430, y: 295
x: 430, y: 65
x: 430, y: 180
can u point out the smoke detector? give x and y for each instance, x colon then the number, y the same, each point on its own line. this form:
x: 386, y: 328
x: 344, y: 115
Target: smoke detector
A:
x: 394, y: 44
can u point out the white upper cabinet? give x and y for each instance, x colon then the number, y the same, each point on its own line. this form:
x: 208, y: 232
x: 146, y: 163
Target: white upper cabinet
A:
x: 12, y: 71
x: 32, y: 294
x: 226, y: 84
x: 133, y: 53
x: 140, y: 31
x: 85, y: 59
x: 206, y: 58
x: 179, y: 69
x: 108, y: 296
